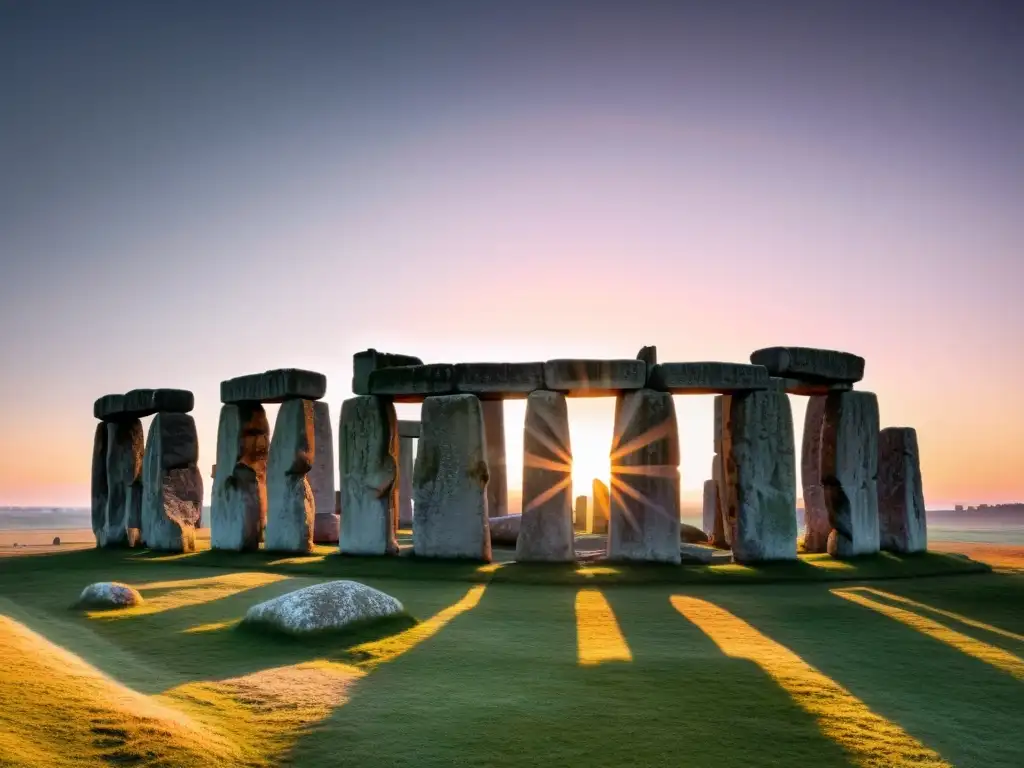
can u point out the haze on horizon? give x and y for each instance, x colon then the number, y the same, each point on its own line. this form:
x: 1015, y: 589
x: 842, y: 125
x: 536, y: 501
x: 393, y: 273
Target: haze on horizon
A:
x: 194, y: 191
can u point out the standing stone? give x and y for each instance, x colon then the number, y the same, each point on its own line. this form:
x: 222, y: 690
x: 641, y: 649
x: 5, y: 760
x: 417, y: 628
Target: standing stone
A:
x: 321, y: 477
x: 545, y: 533
x: 903, y: 527
x: 601, y: 509
x: 99, y: 483
x: 450, y: 480
x: 125, y: 447
x: 368, y: 460
x: 849, y: 472
x: 710, y: 508
x: 645, y: 479
x: 494, y: 433
x: 816, y: 524
x: 726, y: 529
x: 290, y: 505
x: 172, y: 498
x: 238, y: 511
x: 760, y: 492
x: 405, y: 465
x: 579, y: 519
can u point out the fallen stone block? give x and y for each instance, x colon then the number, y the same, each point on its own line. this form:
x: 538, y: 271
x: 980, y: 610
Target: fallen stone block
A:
x: 108, y: 595
x: 902, y: 523
x: 290, y: 504
x: 412, y: 383
x: 691, y: 534
x: 499, y: 380
x: 546, y: 531
x: 333, y: 605
x: 707, y: 378
x: 274, y: 386
x: 367, y: 361
x: 816, y: 523
x: 172, y: 484
x: 592, y: 378
x: 326, y: 528
x: 238, y: 512
x: 817, y: 365
x: 450, y: 481
x: 368, y: 460
x: 504, y: 530
x: 696, y: 554
x: 125, y: 449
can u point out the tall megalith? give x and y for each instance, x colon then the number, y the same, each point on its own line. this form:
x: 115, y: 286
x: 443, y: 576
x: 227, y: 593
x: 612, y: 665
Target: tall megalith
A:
x: 99, y: 483
x: 494, y: 434
x: 405, y: 469
x: 601, y: 507
x: 902, y: 523
x: 290, y: 503
x: 238, y: 513
x: 125, y: 447
x: 579, y: 515
x: 645, y: 479
x: 450, y: 480
x: 722, y: 534
x: 368, y: 462
x: 545, y: 532
x: 321, y: 476
x: 816, y: 524
x: 172, y: 498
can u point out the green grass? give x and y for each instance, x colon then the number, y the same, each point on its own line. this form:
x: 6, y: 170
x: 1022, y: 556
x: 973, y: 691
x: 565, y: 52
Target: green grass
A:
x: 603, y: 665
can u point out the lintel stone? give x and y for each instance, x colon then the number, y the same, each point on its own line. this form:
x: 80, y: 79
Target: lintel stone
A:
x: 369, y: 360
x: 707, y: 378
x: 140, y: 403
x: 274, y: 386
x: 806, y: 388
x: 412, y: 383
x: 808, y: 364
x: 499, y: 381
x: 591, y: 378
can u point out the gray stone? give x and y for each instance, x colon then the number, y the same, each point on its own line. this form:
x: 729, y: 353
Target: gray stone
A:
x: 692, y: 534
x: 450, y: 481
x: 716, y: 536
x: 172, y: 498
x: 367, y: 361
x: 412, y: 383
x: 816, y: 524
x: 903, y: 526
x: 805, y: 388
x: 710, y: 507
x: 494, y: 434
x: 707, y: 378
x: 99, y: 491
x: 546, y: 532
x: 108, y: 407
x: 238, y: 510
x: 290, y: 504
x: 650, y: 357
x: 582, y: 378
x: 849, y: 472
x: 807, y: 364
x: 140, y: 403
x: 405, y: 469
x: 326, y: 528
x: 505, y: 530
x: 105, y: 595
x: 722, y: 404
x: 601, y: 508
x: 645, y: 479
x: 760, y: 490
x: 499, y: 381
x: 321, y: 476
x: 333, y: 605
x: 579, y: 515
x: 274, y: 386
x: 125, y: 448
x: 696, y: 554
x: 408, y: 428
x: 368, y: 458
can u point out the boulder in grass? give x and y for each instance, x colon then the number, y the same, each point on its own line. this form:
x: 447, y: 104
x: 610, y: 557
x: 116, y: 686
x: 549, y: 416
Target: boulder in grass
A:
x: 331, y: 606
x: 105, y: 595
x: 505, y: 529
x: 691, y: 534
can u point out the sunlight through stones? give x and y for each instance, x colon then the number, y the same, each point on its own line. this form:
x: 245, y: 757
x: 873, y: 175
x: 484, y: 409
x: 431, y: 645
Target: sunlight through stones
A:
x: 598, y: 637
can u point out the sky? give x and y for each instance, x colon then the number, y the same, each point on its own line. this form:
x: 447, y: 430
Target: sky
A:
x: 193, y: 191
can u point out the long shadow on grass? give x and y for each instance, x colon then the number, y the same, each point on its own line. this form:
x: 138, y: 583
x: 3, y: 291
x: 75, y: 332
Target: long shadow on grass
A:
x: 961, y: 707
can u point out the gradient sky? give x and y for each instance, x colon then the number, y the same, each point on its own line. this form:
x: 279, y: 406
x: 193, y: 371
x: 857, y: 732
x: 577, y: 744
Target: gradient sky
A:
x: 191, y: 191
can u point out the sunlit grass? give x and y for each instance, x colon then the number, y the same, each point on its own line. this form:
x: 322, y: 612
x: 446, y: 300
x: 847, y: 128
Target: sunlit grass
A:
x: 598, y: 637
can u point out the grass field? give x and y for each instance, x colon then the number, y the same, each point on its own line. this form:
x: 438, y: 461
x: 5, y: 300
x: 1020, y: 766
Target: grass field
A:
x: 821, y: 663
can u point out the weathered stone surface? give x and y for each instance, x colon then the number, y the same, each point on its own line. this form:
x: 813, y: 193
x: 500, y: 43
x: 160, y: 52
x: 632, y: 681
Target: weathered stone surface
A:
x: 650, y: 357
x: 692, y: 534
x: 816, y: 524
x: 499, y: 380
x: 707, y: 378
x: 450, y: 481
x: 546, y: 532
x: 696, y: 554
x: 408, y: 428
x: 108, y: 595
x: 368, y: 458
x: 579, y: 515
x: 125, y: 447
x: 716, y: 536
x: 497, y: 470
x: 321, y: 476
x: 290, y: 505
x: 645, y: 479
x: 581, y: 378
x: 710, y: 508
x: 367, y: 361
x: 760, y: 487
x: 140, y: 403
x: 274, y: 386
x: 412, y: 383
x: 805, y: 388
x: 108, y: 407
x: 172, y: 498
x: 405, y: 469
x: 601, y: 507
x: 238, y: 510
x: 902, y: 524
x: 322, y: 607
x: 818, y: 365
x: 100, y: 491
x: 505, y: 530
x: 326, y: 528
x: 849, y: 472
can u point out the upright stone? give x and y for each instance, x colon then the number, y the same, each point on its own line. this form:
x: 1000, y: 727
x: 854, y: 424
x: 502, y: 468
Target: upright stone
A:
x: 450, y: 481
x: 238, y: 511
x: 902, y: 524
x: 724, y: 535
x: 100, y: 491
x: 494, y: 434
x: 579, y: 515
x: 321, y: 476
x: 760, y: 491
x: 645, y: 479
x: 601, y: 509
x: 125, y: 447
x: 290, y: 505
x: 545, y: 533
x: 716, y: 536
x: 368, y: 460
x: 710, y: 508
x: 816, y: 524
x: 172, y: 498
x: 405, y: 469
x: 849, y: 472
